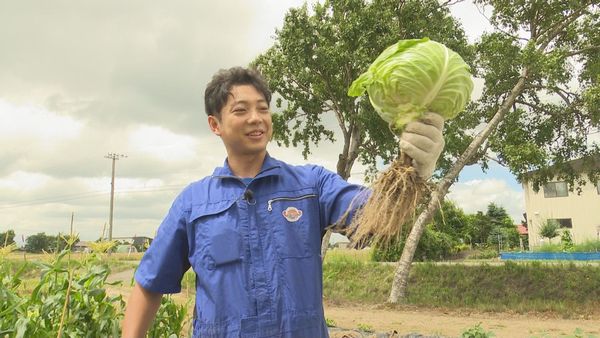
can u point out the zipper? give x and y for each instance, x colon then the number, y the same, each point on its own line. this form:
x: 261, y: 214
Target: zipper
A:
x: 270, y: 202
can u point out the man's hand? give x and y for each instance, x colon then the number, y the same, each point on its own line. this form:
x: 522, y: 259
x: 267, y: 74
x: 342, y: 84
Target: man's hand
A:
x: 423, y: 141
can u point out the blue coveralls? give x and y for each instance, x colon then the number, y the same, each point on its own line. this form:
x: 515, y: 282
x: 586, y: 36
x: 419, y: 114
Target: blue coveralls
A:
x: 255, y: 249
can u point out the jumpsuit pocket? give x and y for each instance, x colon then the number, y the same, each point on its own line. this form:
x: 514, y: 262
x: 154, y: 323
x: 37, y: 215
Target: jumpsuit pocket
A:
x: 217, y: 239
x: 225, y: 247
x: 291, y: 218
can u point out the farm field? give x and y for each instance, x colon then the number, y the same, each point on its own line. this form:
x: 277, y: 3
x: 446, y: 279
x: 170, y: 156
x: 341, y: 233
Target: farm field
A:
x: 431, y: 321
x: 351, y: 315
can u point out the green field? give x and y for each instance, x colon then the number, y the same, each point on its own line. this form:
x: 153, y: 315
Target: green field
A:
x: 45, y: 294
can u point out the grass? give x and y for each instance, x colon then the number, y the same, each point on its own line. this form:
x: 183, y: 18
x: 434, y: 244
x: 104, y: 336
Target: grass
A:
x: 567, y: 289
x: 587, y: 246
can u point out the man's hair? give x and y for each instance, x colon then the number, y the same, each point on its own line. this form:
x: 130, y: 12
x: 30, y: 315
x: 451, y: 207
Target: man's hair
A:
x: 219, y: 88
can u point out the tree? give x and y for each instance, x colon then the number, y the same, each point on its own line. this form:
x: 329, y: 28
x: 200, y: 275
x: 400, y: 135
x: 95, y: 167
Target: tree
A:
x: 439, y: 241
x: 478, y: 228
x: 534, y: 119
x: 39, y: 242
x: 317, y: 55
x: 7, y: 238
x: 549, y: 229
x: 566, y: 241
x: 503, y: 230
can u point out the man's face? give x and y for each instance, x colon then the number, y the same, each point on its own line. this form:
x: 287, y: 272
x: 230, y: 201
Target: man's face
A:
x: 245, y: 125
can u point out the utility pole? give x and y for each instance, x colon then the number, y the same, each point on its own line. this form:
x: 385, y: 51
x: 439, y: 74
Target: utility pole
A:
x: 113, y: 157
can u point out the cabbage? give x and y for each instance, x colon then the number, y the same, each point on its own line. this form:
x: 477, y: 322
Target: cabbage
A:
x: 415, y: 76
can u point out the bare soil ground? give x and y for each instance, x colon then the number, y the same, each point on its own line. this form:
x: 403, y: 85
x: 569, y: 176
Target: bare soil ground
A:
x: 433, y: 322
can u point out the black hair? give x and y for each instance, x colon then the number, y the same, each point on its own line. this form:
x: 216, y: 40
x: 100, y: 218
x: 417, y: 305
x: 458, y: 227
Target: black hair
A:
x: 219, y: 88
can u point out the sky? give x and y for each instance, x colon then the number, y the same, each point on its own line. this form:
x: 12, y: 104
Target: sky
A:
x: 80, y: 80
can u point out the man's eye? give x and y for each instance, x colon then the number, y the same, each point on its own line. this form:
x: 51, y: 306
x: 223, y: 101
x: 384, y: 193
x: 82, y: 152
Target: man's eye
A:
x: 239, y: 110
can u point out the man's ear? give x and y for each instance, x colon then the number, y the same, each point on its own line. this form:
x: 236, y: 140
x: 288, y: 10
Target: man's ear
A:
x: 214, y: 125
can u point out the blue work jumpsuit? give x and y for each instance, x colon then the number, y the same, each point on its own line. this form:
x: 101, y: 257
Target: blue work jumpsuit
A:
x: 255, y: 249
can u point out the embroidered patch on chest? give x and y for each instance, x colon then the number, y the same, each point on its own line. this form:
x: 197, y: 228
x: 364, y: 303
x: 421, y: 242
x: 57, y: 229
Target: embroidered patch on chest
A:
x: 292, y: 214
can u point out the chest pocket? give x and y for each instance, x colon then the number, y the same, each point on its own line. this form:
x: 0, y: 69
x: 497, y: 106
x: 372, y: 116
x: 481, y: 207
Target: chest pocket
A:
x: 294, y: 220
x: 218, y: 241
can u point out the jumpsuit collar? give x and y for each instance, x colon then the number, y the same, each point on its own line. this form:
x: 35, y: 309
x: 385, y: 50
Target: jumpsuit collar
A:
x: 269, y: 167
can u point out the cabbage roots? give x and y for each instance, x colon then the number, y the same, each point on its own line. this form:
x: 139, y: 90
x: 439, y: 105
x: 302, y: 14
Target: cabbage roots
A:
x: 396, y: 193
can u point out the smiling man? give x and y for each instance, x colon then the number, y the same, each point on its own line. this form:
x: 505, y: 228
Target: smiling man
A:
x: 252, y: 230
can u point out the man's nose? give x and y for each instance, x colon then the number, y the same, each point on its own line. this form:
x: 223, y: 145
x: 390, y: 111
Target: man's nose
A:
x: 254, y: 115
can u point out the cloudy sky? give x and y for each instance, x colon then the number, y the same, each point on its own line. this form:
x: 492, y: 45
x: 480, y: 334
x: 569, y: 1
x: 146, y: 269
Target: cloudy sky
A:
x: 79, y: 80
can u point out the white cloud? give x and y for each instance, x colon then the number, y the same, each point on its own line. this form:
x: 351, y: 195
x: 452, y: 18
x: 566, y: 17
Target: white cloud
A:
x: 24, y: 181
x: 160, y: 143
x: 29, y: 121
x: 476, y: 195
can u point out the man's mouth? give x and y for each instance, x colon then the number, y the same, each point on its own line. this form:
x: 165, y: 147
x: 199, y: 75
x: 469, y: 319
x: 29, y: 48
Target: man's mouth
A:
x: 256, y: 133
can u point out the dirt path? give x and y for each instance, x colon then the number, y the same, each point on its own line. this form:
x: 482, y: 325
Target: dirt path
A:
x: 447, y: 324
x: 432, y: 322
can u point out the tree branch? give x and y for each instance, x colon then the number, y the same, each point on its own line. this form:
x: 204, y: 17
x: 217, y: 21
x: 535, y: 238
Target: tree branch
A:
x: 448, y: 3
x: 498, y: 27
x: 534, y: 107
x: 583, y: 50
x: 552, y: 31
x: 564, y: 94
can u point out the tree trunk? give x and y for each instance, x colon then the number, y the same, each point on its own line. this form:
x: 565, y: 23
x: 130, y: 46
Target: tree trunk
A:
x: 344, y: 168
x: 403, y: 267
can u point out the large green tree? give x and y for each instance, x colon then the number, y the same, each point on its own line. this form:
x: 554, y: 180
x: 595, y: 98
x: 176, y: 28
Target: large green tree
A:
x: 540, y: 102
x: 320, y: 51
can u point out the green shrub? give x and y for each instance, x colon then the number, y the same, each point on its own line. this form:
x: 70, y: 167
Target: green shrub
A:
x: 566, y: 241
x: 433, y: 246
x: 484, y: 253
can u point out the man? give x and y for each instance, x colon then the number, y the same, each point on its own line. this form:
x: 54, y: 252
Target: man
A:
x: 252, y: 230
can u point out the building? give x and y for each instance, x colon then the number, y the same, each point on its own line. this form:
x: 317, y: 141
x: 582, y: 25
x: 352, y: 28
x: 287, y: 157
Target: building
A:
x: 577, y: 213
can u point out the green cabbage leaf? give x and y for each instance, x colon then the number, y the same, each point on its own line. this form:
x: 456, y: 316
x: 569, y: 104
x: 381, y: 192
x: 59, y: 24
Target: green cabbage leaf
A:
x: 415, y: 76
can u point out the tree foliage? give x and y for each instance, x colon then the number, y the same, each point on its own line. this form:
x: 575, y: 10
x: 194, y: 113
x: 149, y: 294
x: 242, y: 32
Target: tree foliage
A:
x: 549, y: 229
x: 7, y: 238
x: 38, y: 243
x: 41, y: 242
x: 532, y: 119
x: 549, y: 124
x: 319, y: 52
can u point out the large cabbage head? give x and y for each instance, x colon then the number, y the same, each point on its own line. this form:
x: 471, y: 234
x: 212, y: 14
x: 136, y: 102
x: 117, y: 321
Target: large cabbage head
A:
x: 415, y: 76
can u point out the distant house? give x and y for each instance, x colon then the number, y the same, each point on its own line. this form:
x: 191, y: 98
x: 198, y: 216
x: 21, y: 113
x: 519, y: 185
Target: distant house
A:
x: 522, y: 229
x: 126, y: 248
x: 141, y: 243
x: 577, y: 213
x: 82, y: 246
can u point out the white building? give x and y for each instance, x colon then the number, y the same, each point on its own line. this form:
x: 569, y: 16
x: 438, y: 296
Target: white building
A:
x: 579, y: 213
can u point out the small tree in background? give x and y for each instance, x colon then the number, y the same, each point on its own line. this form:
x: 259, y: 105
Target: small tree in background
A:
x: 549, y: 229
x: 39, y: 242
